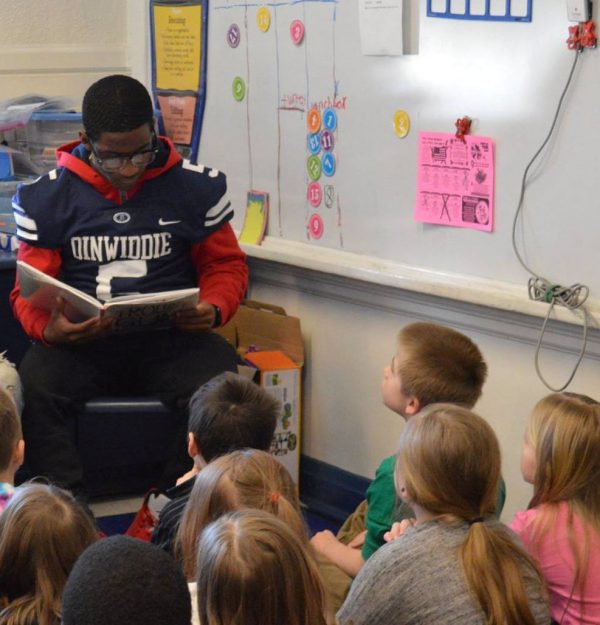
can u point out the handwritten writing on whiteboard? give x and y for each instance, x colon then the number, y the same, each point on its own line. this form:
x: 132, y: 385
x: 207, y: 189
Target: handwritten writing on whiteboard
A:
x: 455, y: 181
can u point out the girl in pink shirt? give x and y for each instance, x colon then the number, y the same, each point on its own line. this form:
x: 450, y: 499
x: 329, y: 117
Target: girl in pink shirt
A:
x: 561, y: 528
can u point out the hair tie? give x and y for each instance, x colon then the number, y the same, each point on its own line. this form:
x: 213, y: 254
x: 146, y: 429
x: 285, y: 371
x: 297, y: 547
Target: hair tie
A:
x: 478, y: 519
x: 275, y: 495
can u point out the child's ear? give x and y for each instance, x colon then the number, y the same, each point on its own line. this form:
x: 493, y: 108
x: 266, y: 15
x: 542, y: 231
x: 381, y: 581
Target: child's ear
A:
x: 192, y: 446
x: 412, y: 406
x: 19, y: 454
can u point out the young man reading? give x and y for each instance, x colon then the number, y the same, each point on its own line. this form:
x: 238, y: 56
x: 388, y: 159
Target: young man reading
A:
x: 121, y: 214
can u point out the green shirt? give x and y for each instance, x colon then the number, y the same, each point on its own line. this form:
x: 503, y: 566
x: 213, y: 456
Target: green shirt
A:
x: 385, y: 508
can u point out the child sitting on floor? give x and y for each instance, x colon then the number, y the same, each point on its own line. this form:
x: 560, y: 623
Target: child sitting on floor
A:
x: 253, y: 569
x: 43, y: 530
x: 124, y: 581
x: 12, y: 447
x: 457, y: 563
x: 432, y: 363
x: 247, y: 478
x: 227, y: 413
x: 561, y: 528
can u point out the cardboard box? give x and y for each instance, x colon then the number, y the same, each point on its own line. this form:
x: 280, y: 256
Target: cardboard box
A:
x: 271, y: 341
x: 280, y: 377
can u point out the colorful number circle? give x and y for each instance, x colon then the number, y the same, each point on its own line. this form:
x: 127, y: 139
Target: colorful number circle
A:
x: 315, y: 226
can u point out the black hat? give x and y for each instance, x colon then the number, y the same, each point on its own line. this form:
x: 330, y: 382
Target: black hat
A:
x: 124, y: 581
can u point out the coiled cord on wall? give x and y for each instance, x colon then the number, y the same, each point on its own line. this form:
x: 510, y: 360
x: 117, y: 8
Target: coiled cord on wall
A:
x: 540, y: 289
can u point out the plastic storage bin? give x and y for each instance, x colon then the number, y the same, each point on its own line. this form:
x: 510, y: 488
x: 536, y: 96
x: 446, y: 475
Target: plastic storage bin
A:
x: 46, y: 131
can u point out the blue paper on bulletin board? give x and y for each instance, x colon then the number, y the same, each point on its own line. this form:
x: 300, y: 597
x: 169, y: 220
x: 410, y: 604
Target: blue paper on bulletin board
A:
x: 486, y: 10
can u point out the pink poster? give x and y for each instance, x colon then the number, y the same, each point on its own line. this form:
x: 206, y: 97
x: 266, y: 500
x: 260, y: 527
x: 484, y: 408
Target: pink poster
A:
x: 178, y: 116
x: 455, y: 181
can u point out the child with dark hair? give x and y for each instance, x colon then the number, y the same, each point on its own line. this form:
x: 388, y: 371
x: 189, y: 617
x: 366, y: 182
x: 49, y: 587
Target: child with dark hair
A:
x: 227, y: 413
x: 11, y: 447
x: 43, y: 531
x: 122, y: 213
x: 124, y: 581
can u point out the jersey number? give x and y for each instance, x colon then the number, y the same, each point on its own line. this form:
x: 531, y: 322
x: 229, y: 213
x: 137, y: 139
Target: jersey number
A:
x: 118, y: 269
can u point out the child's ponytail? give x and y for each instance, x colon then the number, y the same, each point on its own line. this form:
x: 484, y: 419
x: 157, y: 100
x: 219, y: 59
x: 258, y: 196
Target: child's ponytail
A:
x: 449, y: 465
x: 498, y: 573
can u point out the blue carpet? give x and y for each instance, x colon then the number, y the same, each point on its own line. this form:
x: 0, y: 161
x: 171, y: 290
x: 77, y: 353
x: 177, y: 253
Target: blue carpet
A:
x: 116, y: 524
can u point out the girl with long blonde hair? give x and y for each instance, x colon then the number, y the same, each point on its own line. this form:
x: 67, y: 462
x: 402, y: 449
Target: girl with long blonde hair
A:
x: 561, y: 528
x: 242, y: 479
x: 43, y: 530
x: 254, y: 570
x: 456, y: 562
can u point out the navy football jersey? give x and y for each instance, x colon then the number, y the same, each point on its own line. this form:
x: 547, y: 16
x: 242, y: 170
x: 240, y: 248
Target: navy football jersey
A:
x: 139, y: 246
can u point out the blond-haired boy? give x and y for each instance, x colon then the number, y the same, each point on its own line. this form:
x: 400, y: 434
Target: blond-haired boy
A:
x: 432, y: 363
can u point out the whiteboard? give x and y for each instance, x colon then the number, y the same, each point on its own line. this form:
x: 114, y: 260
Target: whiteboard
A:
x: 506, y: 76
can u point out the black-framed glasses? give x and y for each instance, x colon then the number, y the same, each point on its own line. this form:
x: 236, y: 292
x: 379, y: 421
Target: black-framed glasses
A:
x: 142, y: 158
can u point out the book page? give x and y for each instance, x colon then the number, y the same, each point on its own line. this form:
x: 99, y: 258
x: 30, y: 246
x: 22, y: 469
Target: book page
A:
x: 41, y: 291
x: 150, y: 310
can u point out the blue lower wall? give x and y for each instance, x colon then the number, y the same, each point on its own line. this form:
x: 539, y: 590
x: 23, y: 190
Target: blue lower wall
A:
x: 329, y: 491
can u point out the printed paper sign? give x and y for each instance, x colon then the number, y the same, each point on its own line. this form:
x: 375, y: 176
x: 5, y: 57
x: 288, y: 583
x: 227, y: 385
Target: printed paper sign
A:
x: 178, y: 116
x: 381, y: 27
x: 455, y: 184
x: 177, y: 40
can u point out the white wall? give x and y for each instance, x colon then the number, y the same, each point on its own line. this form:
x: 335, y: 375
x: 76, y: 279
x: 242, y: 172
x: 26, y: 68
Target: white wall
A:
x: 60, y: 47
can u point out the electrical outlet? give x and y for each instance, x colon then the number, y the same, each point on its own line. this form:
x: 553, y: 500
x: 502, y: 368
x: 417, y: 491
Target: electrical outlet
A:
x: 579, y: 10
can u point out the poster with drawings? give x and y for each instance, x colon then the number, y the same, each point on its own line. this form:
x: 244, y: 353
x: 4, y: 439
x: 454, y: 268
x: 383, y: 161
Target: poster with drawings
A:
x: 455, y: 181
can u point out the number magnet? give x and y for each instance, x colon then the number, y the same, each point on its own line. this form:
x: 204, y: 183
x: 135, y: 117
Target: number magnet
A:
x: 233, y: 36
x: 314, y: 194
x: 327, y: 140
x: 239, y: 88
x: 297, y: 32
x: 314, y: 120
x: 328, y: 164
x: 313, y: 166
x: 330, y: 119
x: 329, y: 195
x: 401, y: 123
x: 313, y: 142
x: 315, y: 226
x: 263, y: 19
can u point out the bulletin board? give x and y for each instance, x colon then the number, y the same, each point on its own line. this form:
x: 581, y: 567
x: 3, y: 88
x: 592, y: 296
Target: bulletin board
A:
x: 264, y: 79
x: 178, y: 44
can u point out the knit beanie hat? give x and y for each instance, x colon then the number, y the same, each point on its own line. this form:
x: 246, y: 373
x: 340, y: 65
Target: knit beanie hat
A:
x: 124, y: 581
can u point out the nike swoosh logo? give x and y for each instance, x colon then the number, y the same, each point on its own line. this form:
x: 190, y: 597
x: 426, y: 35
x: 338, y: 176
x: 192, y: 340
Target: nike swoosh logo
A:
x: 162, y: 222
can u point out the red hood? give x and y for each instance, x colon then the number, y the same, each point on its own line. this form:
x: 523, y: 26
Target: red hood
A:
x: 66, y: 158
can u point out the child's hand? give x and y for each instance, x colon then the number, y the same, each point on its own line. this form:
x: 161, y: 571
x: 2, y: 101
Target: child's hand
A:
x: 348, y: 559
x: 398, y: 529
x: 322, y: 541
x: 358, y: 541
x: 187, y: 476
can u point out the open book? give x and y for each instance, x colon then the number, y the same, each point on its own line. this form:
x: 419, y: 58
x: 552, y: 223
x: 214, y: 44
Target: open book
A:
x: 131, y: 312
